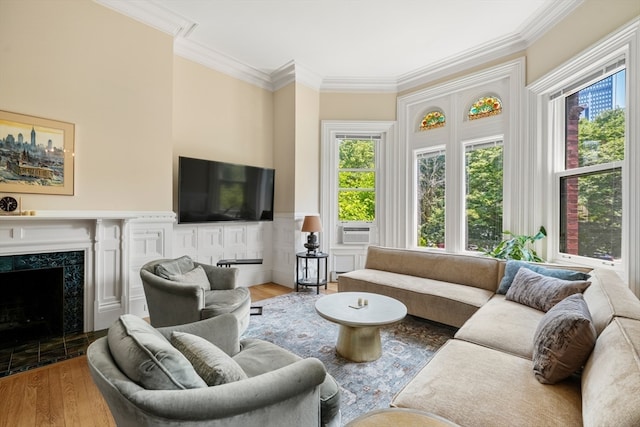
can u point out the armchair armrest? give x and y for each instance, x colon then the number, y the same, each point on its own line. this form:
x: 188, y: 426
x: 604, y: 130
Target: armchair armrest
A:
x: 171, y: 303
x: 264, y: 394
x: 221, y: 330
x: 220, y: 277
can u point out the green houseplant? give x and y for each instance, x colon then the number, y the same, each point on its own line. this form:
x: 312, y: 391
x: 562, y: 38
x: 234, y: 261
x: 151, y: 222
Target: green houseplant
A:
x: 518, y: 247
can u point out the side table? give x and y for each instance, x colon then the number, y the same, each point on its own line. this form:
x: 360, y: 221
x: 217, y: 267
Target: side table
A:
x: 303, y: 278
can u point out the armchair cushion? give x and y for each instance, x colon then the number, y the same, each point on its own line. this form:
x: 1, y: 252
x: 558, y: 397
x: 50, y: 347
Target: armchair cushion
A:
x: 224, y: 301
x: 147, y: 358
x: 197, y: 276
x: 213, y: 365
x: 180, y: 265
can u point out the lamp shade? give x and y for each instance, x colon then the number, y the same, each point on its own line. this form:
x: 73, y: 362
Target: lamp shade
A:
x: 311, y: 224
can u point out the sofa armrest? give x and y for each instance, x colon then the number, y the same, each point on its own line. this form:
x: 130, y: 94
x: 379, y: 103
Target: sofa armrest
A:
x: 265, y: 395
x: 221, y: 330
x: 220, y: 278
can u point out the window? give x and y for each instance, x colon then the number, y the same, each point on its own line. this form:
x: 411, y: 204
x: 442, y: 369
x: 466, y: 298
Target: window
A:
x: 483, y: 175
x: 356, y: 178
x: 485, y: 107
x: 431, y: 198
x: 590, y: 183
x: 433, y: 120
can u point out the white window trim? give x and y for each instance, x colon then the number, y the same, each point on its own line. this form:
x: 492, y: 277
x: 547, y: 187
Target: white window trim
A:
x: 546, y: 158
x: 515, y: 216
x: 384, y: 182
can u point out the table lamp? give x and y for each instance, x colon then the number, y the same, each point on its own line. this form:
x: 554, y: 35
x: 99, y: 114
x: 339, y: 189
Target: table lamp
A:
x: 312, y: 225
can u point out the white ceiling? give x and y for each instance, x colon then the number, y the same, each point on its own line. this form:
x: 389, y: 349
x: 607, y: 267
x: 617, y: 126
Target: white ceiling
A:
x: 382, y: 44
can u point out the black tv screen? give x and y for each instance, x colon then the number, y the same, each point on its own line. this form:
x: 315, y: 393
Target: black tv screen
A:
x: 216, y: 191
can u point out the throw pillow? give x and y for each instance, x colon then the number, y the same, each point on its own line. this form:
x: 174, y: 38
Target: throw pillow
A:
x: 147, y: 358
x: 210, y: 362
x: 512, y: 267
x: 197, y: 276
x: 563, y: 340
x: 542, y: 292
x: 175, y: 266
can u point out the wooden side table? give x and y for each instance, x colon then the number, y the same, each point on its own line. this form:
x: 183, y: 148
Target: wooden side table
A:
x: 303, y: 278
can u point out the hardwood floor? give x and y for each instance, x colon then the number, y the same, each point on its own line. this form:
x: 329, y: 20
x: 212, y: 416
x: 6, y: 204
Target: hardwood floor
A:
x: 63, y: 394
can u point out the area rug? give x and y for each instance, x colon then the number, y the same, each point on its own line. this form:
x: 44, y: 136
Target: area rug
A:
x: 291, y: 322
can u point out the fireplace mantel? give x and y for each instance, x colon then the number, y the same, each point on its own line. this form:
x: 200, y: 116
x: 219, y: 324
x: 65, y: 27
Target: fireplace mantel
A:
x: 116, y: 244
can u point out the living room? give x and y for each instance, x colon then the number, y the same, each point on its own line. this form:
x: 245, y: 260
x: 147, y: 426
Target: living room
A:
x: 137, y: 107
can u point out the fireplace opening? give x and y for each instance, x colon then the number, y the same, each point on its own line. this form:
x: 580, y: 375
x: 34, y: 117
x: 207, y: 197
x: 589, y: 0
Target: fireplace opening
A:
x: 32, y: 305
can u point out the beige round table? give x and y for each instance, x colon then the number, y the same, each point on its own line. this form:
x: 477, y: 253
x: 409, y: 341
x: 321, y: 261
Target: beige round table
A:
x: 399, y: 417
x: 359, y: 334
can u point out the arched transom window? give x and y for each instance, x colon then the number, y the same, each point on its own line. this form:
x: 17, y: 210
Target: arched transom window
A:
x: 485, y: 107
x: 432, y: 120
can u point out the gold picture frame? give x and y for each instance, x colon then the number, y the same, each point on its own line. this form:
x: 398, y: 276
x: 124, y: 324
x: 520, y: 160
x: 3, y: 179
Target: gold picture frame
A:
x: 36, y: 155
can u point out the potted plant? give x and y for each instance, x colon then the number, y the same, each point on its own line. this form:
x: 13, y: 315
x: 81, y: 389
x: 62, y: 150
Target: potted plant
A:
x: 518, y: 247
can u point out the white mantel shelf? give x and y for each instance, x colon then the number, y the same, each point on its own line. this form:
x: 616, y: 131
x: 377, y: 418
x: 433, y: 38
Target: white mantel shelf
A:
x: 82, y: 215
x: 115, y: 245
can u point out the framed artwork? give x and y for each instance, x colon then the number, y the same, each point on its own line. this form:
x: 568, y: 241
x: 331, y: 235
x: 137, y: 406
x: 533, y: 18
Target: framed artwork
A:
x: 36, y: 155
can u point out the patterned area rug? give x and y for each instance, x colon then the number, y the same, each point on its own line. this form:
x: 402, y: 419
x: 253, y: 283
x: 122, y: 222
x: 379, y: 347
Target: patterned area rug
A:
x: 291, y: 321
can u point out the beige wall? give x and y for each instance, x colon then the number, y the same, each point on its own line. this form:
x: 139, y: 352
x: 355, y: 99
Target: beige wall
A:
x: 217, y: 117
x: 284, y: 137
x: 590, y: 22
x: 357, y: 106
x: 79, y: 62
x: 307, y: 156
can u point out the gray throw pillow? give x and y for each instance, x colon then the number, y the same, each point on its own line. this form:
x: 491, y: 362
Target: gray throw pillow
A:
x: 148, y: 358
x: 180, y: 265
x: 563, y: 340
x: 513, y: 266
x: 197, y: 276
x: 210, y: 362
x: 542, y: 292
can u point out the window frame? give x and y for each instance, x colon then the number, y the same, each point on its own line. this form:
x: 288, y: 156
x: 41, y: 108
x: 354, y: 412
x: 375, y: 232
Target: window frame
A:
x: 544, y: 126
x: 557, y: 108
x: 385, y: 169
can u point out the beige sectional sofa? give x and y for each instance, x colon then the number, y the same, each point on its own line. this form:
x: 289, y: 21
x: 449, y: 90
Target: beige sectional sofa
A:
x: 484, y: 375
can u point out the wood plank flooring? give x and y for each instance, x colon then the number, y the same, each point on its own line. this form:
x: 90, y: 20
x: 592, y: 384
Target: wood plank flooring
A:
x: 63, y: 394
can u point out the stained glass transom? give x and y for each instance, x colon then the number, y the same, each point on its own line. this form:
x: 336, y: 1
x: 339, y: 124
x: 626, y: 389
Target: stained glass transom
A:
x: 485, y: 107
x: 432, y: 120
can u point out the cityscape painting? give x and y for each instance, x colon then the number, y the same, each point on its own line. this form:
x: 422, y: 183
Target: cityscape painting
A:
x: 36, y: 155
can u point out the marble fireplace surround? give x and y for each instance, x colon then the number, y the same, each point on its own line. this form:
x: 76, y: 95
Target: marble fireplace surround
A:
x: 115, y: 246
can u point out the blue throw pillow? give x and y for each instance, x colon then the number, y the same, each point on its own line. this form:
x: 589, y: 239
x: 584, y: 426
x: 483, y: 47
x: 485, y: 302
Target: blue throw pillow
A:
x: 512, y: 268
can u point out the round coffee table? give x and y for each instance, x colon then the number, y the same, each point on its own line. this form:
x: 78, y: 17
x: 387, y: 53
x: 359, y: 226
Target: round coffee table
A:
x: 400, y: 417
x: 359, y: 334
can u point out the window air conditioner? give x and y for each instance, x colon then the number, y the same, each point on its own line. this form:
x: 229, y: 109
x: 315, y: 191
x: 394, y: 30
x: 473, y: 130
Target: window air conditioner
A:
x: 356, y: 235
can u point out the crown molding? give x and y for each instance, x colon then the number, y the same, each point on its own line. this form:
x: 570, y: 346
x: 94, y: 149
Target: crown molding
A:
x: 490, y: 51
x: 153, y: 14
x: 218, y: 61
x: 547, y: 17
x: 294, y: 72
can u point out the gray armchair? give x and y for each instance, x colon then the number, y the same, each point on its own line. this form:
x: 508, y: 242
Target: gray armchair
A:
x: 175, y: 302
x: 281, y: 389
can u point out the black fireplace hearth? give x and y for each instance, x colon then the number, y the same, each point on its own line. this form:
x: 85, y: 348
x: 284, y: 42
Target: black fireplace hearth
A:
x: 42, y: 295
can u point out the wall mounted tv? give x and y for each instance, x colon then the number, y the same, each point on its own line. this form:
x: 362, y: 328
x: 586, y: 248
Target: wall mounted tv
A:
x: 216, y: 191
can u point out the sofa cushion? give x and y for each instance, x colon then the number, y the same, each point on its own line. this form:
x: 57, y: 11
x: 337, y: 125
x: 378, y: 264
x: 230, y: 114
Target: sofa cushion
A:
x: 542, y: 292
x: 197, y: 276
x: 512, y: 267
x: 563, y: 340
x: 224, y: 301
x: 147, y: 358
x: 503, y: 325
x: 472, y: 385
x: 180, y: 265
x: 213, y: 365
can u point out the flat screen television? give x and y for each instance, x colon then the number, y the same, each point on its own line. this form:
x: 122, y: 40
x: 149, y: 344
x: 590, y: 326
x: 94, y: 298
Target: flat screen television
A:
x: 216, y: 191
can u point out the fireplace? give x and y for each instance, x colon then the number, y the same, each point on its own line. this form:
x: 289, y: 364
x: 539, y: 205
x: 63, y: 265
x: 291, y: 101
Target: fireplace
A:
x: 42, y: 295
